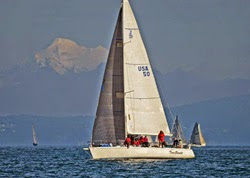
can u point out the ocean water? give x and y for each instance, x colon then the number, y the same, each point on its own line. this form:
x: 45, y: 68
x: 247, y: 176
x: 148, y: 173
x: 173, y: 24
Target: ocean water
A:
x: 74, y: 162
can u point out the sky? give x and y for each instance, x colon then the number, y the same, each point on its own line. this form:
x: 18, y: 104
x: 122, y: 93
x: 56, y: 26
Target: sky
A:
x: 204, y: 44
x: 199, y: 36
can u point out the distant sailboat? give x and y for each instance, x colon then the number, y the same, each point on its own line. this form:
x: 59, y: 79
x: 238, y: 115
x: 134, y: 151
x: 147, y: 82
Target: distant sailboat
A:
x: 197, y: 138
x: 177, y: 131
x: 34, y: 136
x: 129, y: 102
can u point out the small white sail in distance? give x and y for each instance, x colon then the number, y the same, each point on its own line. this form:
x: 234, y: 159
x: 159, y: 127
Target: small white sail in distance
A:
x: 34, y: 135
x: 197, y: 138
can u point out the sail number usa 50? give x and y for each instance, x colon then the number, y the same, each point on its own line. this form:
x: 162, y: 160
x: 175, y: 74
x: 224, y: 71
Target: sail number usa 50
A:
x: 144, y: 70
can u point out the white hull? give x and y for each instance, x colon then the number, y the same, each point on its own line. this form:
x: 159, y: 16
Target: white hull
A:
x: 202, y: 145
x: 140, y: 153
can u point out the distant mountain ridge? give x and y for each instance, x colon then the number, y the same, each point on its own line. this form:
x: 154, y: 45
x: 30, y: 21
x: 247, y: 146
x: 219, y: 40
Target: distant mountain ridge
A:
x: 66, y: 130
x: 65, y: 78
x: 181, y: 87
x: 64, y: 55
x: 35, y: 90
x: 223, y: 122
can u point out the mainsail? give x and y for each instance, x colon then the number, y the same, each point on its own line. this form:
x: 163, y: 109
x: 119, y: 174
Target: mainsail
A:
x: 129, y: 101
x: 109, y: 126
x: 34, y: 135
x: 197, y: 137
x: 177, y: 131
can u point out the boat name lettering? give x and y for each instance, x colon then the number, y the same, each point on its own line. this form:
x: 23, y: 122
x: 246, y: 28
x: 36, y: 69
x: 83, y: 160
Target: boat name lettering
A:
x: 175, y: 152
x: 144, y: 70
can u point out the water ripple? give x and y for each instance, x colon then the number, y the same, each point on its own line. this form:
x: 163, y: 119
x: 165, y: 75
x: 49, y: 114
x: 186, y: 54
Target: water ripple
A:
x: 74, y: 162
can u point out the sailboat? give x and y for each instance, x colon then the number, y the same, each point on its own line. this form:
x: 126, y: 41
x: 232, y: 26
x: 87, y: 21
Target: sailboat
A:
x: 197, y: 138
x: 34, y: 136
x: 177, y: 131
x: 129, y: 101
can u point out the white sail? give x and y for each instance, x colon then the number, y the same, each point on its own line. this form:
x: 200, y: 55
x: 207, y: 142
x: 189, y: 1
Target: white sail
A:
x: 202, y: 140
x: 144, y: 113
x: 197, y: 137
x: 34, y: 135
x: 177, y: 131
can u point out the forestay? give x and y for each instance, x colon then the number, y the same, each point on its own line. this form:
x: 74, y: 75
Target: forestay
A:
x: 144, y: 113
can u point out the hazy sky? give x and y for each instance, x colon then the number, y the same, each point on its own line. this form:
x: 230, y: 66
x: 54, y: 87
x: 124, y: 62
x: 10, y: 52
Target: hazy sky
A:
x: 209, y: 37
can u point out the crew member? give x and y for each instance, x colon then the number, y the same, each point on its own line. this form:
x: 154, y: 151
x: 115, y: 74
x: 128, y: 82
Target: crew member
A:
x: 175, y: 142
x: 145, y: 142
x: 127, y: 141
x: 161, y: 138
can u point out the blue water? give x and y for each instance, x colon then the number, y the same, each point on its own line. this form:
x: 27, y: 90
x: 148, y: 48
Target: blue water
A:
x: 74, y: 162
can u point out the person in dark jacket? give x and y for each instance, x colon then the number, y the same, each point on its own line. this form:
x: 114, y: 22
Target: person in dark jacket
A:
x: 175, y: 143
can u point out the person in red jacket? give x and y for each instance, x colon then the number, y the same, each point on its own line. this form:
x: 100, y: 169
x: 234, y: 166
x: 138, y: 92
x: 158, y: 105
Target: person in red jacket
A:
x: 127, y: 141
x: 145, y: 142
x: 161, y: 138
x: 137, y: 142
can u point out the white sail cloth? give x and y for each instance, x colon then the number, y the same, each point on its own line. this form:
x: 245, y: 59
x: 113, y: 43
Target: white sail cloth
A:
x: 144, y: 113
x: 197, y: 136
x: 34, y: 135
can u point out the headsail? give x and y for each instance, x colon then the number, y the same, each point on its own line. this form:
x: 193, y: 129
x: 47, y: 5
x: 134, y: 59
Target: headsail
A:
x: 197, y: 137
x: 109, y: 122
x: 177, y: 131
x: 144, y: 113
x: 202, y: 140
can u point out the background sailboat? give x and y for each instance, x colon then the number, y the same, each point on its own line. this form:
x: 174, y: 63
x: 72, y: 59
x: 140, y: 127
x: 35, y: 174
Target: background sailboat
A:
x: 197, y: 138
x: 177, y: 131
x: 34, y: 136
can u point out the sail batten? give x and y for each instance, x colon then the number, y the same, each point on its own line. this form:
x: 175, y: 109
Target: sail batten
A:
x: 137, y: 64
x: 143, y: 98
